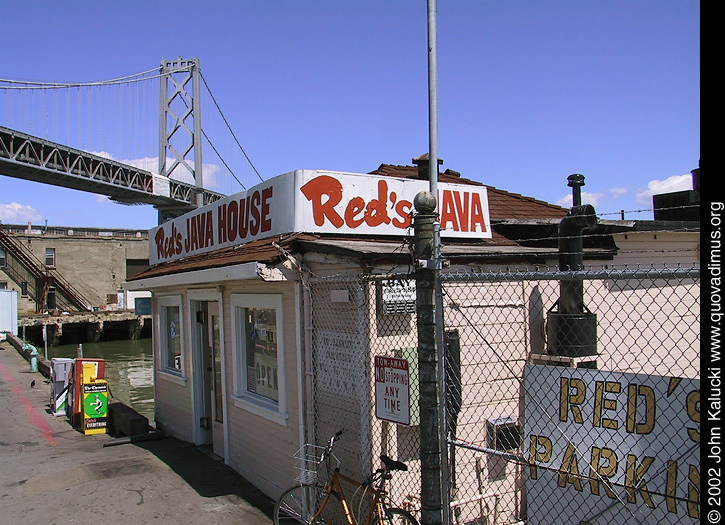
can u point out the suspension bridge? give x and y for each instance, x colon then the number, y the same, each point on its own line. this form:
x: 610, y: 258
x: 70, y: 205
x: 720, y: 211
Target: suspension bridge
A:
x: 137, y: 139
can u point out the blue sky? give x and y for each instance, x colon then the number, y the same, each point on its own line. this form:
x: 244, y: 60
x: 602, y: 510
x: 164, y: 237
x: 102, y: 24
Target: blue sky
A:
x: 529, y: 92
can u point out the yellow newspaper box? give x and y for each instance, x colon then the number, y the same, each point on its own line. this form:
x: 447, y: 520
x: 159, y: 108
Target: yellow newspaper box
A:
x: 94, y: 402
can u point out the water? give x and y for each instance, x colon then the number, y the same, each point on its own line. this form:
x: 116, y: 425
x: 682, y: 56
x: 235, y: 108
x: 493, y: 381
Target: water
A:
x: 129, y: 370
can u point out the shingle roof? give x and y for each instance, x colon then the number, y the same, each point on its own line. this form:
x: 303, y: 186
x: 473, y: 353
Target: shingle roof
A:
x: 260, y: 250
x: 501, y: 204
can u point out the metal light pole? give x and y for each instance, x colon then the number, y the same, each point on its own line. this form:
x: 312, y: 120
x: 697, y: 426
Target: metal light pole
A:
x: 425, y: 285
x: 433, y: 98
x: 431, y: 348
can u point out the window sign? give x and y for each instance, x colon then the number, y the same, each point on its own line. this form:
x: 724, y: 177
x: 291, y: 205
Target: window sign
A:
x: 216, y: 346
x: 173, y: 347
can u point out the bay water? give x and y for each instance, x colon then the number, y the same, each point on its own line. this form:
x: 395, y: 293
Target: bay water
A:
x: 129, y: 370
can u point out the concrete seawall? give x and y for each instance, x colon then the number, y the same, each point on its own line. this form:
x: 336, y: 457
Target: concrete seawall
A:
x: 83, y: 327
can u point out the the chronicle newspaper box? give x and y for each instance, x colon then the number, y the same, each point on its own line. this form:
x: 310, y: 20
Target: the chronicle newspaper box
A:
x: 94, y: 402
x: 75, y: 388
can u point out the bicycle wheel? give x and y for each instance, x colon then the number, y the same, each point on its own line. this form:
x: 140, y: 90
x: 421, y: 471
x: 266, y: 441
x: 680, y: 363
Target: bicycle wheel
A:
x: 301, y: 503
x: 395, y: 516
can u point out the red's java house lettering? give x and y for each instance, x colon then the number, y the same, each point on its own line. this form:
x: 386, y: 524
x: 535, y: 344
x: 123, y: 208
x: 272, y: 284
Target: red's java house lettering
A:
x: 459, y: 210
x: 316, y: 201
x: 325, y: 193
x: 245, y: 217
x: 236, y: 221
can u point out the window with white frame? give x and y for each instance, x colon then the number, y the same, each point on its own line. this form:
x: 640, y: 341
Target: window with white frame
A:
x: 170, y: 342
x: 50, y: 257
x: 259, y: 354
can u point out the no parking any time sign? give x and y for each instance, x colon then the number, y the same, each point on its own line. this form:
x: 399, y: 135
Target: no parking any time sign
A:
x: 392, y: 390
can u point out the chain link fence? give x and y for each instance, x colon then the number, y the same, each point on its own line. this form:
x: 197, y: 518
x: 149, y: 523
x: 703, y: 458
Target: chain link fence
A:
x: 552, y: 417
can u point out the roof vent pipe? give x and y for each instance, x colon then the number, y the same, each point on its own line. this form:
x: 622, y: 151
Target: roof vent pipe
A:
x: 423, y: 164
x: 571, y: 331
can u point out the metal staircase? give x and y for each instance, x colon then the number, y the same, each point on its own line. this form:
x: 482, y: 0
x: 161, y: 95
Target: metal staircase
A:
x: 25, y: 269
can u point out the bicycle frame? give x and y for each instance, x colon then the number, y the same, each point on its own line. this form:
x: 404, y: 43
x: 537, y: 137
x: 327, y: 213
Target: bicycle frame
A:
x: 334, y: 484
x: 308, y: 501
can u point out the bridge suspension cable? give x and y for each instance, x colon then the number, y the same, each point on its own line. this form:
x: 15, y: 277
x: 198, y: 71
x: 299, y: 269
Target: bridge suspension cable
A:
x: 114, y: 118
x: 29, y: 84
x: 213, y: 98
x: 118, y: 119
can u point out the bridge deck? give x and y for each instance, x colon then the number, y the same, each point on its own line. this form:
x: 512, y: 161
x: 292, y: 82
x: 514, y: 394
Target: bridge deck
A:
x: 27, y: 157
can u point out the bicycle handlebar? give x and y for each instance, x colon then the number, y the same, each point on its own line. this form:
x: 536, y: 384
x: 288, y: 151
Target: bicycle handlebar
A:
x: 328, y: 449
x: 333, y: 439
x: 389, y: 463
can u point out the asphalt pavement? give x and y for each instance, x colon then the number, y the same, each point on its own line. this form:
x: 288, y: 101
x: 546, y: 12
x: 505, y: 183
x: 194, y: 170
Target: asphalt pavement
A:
x: 51, y: 473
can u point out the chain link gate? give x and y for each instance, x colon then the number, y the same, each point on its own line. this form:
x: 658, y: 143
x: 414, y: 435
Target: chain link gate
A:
x: 598, y: 425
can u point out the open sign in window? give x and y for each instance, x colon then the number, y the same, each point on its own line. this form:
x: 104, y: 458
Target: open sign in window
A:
x: 259, y: 354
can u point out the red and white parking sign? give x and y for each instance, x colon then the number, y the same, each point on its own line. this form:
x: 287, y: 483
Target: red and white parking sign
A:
x: 392, y: 390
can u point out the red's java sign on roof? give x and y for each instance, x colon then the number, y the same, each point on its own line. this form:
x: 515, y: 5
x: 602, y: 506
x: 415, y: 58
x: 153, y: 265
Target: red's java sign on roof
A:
x: 318, y: 202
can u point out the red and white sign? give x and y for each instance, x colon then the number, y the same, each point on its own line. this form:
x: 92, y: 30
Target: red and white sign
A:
x: 392, y: 390
x: 319, y: 202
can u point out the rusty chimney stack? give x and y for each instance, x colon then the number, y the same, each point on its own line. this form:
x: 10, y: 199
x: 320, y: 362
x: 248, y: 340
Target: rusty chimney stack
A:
x: 423, y: 163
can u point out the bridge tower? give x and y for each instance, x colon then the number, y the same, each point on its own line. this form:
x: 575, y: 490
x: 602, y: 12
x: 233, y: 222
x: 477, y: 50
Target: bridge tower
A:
x: 180, y: 127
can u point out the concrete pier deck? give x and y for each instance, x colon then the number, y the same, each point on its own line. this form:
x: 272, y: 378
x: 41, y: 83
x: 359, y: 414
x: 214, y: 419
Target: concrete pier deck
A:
x: 50, y: 473
x: 89, y: 327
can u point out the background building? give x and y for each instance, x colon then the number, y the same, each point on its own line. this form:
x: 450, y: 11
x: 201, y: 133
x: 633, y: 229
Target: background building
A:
x: 68, y: 282
x: 79, y: 265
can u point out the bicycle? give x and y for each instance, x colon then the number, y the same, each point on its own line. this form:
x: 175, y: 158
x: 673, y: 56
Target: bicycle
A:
x: 327, y: 504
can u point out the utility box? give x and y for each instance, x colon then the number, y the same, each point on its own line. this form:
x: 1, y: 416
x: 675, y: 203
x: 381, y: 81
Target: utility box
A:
x: 8, y: 312
x: 503, y: 433
x: 60, y: 374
